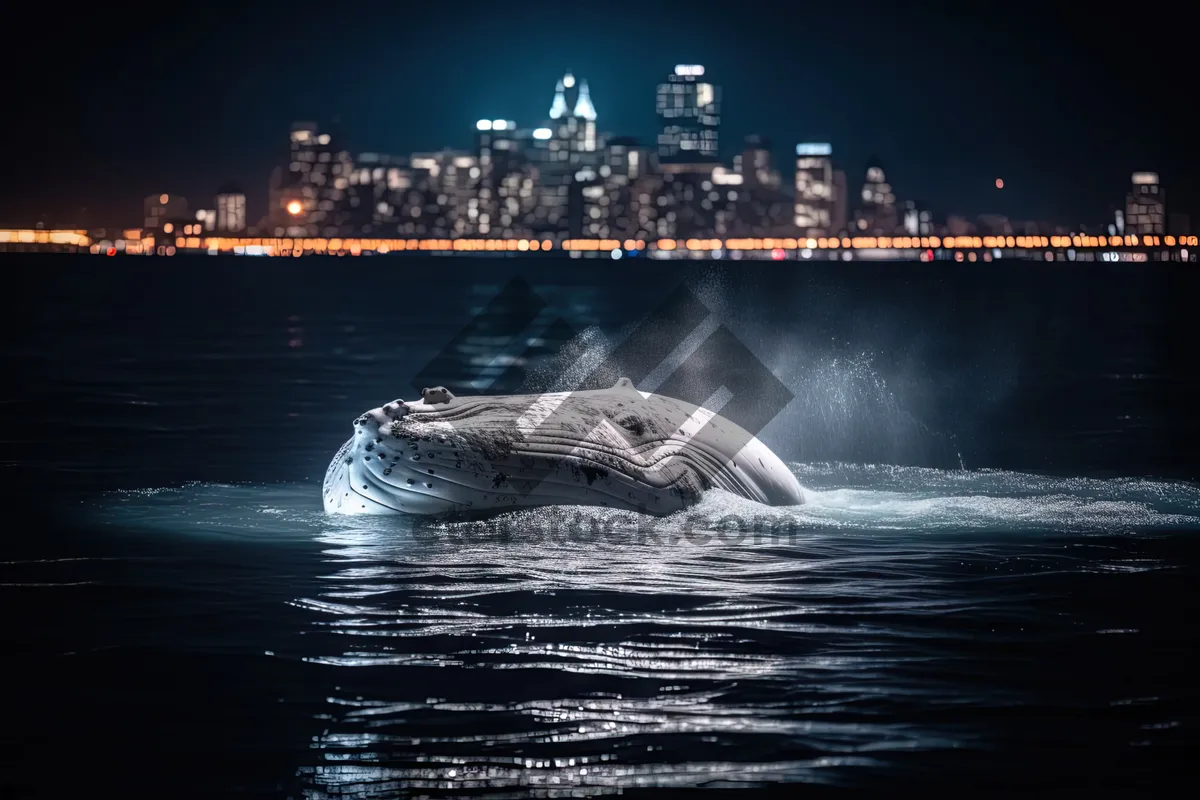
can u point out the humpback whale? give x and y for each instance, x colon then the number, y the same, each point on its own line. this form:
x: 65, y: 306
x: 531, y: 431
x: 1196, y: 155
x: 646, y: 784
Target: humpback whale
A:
x: 617, y: 448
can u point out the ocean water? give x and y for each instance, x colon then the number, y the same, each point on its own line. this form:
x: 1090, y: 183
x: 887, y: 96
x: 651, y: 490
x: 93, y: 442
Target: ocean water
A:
x: 992, y: 582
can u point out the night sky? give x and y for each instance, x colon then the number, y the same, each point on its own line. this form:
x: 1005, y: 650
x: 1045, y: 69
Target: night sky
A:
x: 113, y: 103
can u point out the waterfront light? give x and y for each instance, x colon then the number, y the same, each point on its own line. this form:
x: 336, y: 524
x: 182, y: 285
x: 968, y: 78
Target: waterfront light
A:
x: 1045, y: 248
x: 294, y: 208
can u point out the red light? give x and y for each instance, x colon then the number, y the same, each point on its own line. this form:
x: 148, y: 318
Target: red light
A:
x: 112, y: 251
x: 778, y: 254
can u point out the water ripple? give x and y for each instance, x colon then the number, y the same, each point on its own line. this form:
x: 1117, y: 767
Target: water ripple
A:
x: 898, y: 611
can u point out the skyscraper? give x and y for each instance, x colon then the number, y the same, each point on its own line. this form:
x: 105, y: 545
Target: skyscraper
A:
x: 312, y: 189
x: 567, y: 152
x: 877, y: 214
x: 505, y: 180
x: 756, y: 164
x: 231, y: 209
x: 689, y: 110
x: 918, y: 220
x: 1145, y: 205
x: 576, y: 126
x: 841, y: 195
x: 814, y: 188
x: 611, y: 200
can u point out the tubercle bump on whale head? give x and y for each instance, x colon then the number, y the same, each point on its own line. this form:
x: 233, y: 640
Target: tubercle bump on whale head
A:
x: 385, y: 414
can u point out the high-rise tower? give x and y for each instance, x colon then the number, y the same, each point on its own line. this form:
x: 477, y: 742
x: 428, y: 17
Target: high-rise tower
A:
x: 689, y: 109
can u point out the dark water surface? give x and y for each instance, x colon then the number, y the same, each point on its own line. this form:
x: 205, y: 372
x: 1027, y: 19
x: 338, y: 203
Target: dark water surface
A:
x: 992, y: 583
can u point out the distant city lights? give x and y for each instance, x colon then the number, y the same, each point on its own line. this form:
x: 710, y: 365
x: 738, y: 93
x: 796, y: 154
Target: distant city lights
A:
x: 931, y: 248
x: 563, y: 183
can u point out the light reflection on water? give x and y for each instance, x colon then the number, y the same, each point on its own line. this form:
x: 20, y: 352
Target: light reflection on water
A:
x: 807, y: 644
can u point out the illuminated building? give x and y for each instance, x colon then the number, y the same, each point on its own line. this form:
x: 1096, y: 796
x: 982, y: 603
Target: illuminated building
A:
x: 1145, y: 205
x: 841, y: 193
x: 610, y: 207
x: 578, y: 126
x: 421, y: 208
x: 317, y: 178
x: 551, y: 157
x: 376, y: 193
x: 759, y: 210
x: 644, y: 194
x: 814, y: 189
x: 754, y: 163
x: 692, y: 204
x: 159, y: 208
x: 460, y: 184
x: 567, y: 154
x: 231, y: 209
x: 918, y: 221
x: 207, y: 217
x: 689, y: 110
x: 505, y: 200
x: 877, y: 214
x: 442, y: 191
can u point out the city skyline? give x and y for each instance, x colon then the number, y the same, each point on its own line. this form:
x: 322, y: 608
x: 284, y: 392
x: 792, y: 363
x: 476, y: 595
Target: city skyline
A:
x: 950, y: 103
x: 569, y: 178
x: 688, y: 109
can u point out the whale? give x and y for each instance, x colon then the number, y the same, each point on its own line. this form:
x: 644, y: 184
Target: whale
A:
x: 618, y: 448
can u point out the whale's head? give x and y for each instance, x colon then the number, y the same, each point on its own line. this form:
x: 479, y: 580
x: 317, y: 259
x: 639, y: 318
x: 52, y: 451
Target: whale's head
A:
x: 380, y: 469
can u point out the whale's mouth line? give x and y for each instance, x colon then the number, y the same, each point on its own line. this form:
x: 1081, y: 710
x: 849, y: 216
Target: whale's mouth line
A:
x: 617, y: 448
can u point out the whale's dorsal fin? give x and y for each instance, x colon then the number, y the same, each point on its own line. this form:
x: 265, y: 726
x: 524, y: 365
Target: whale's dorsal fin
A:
x: 435, y: 395
x: 625, y: 385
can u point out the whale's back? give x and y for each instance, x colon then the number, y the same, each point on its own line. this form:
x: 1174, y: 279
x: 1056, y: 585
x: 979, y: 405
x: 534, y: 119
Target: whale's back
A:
x: 615, y: 447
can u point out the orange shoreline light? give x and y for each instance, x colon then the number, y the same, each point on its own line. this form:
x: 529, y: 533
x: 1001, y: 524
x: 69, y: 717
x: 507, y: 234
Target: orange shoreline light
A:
x: 136, y: 241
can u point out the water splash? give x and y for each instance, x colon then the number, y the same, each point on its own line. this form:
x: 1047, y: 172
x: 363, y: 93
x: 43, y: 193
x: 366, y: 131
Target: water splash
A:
x: 839, y: 498
x: 568, y: 368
